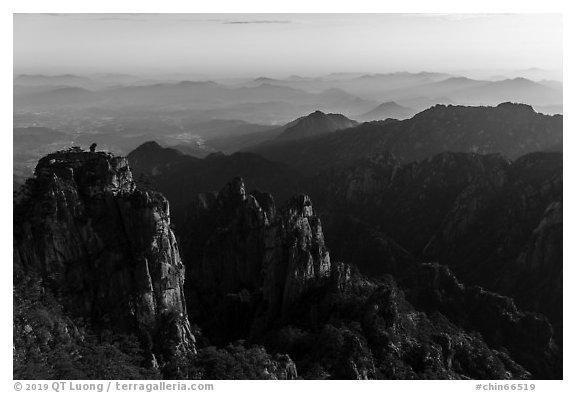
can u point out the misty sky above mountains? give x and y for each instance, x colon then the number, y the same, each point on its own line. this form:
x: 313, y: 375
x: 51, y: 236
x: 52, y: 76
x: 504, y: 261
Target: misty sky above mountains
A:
x: 221, y: 45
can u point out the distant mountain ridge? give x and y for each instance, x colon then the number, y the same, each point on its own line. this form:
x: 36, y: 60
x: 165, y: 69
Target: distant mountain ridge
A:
x: 510, y: 129
x: 52, y: 80
x: 438, y: 187
x: 207, y: 96
x: 387, y: 110
x: 517, y: 89
x: 314, y: 124
x: 169, y: 170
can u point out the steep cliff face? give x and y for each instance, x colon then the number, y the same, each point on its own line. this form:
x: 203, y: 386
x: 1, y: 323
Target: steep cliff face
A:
x: 306, y: 259
x: 406, y: 201
x: 396, y: 209
x: 540, y: 264
x: 505, y: 233
x: 529, y: 337
x: 103, y: 247
x: 265, y: 275
x: 249, y: 261
x: 495, y: 222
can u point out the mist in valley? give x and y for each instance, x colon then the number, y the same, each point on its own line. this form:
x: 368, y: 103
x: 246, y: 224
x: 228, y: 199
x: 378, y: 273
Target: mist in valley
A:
x: 283, y: 196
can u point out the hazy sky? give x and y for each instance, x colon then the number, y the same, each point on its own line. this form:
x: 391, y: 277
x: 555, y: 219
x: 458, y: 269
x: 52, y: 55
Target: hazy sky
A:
x: 284, y: 44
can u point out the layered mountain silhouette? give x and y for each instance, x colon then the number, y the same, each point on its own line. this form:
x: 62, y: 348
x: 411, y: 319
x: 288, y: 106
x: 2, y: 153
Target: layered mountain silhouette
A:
x: 381, y: 207
x: 210, y: 100
x: 481, y: 92
x: 52, y: 80
x: 181, y: 177
x: 58, y: 96
x: 316, y: 123
x: 313, y: 124
x: 518, y: 89
x: 387, y: 110
x: 424, y: 248
x: 274, y: 101
x: 509, y: 129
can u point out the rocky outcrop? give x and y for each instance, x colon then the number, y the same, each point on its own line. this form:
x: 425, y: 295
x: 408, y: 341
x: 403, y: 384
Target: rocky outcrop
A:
x: 496, y: 223
x: 265, y: 274
x: 539, y: 249
x: 504, y: 232
x: 258, y: 274
x: 529, y: 337
x: 367, y: 329
x: 407, y: 201
x: 541, y: 267
x: 104, y: 248
x: 244, y: 254
x: 282, y: 368
x: 308, y: 261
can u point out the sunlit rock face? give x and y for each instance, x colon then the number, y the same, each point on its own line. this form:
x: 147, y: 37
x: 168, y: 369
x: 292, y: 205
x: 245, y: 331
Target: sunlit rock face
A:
x: 105, y: 248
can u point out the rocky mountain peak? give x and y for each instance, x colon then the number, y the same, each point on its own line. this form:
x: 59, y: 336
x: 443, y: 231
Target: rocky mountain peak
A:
x: 504, y: 110
x: 386, y: 110
x: 278, y: 257
x: 299, y: 205
x: 316, y: 123
x: 104, y: 248
x: 149, y: 146
x: 233, y: 192
x: 511, y: 106
x: 273, y: 279
x: 92, y: 172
